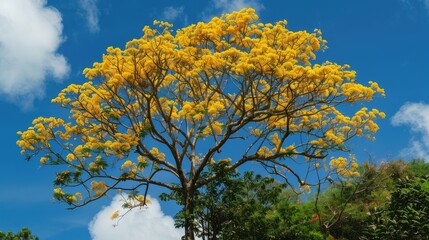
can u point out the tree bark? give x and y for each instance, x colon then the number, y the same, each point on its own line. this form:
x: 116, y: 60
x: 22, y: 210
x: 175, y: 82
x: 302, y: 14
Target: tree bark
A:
x: 189, y: 215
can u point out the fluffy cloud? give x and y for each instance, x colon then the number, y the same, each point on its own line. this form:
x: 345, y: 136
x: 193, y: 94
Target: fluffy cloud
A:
x: 31, y: 33
x: 90, y: 12
x: 171, y: 13
x: 149, y: 223
x: 416, y: 116
x: 227, y: 6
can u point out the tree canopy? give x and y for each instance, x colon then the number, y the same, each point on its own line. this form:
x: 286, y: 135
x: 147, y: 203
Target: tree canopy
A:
x: 23, y: 234
x: 387, y: 201
x: 169, y: 104
x: 248, y: 206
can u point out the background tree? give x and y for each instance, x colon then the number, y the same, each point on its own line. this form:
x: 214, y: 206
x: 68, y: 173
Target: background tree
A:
x: 405, y: 216
x: 346, y: 207
x: 418, y: 168
x: 248, y: 206
x: 342, y: 208
x: 23, y: 234
x: 170, y: 104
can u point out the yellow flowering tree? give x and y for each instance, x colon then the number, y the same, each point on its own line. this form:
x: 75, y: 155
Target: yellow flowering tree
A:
x: 171, y: 103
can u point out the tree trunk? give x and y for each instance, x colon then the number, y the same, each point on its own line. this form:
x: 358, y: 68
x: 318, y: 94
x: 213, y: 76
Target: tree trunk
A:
x: 189, y: 215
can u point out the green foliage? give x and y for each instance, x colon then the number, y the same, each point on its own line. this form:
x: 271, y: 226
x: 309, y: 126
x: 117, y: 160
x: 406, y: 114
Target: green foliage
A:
x: 23, y: 234
x: 344, y: 208
x: 247, y: 207
x: 418, y: 167
x: 405, y: 216
x: 387, y: 201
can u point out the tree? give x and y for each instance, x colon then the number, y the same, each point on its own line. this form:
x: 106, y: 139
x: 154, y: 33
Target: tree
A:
x: 418, y: 167
x: 343, y: 208
x: 405, y: 216
x: 23, y: 234
x: 346, y: 207
x: 166, y: 107
x: 247, y: 206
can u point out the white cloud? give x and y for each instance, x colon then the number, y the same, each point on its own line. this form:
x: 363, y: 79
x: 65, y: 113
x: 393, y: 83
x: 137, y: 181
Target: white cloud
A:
x: 416, y: 116
x: 31, y: 34
x: 149, y: 223
x: 227, y: 6
x: 171, y: 13
x: 90, y: 10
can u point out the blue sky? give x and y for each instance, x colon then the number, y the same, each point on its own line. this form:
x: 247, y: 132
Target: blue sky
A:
x: 45, y: 45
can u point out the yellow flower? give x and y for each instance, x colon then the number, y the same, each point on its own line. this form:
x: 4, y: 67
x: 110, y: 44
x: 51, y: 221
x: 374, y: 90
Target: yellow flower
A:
x: 79, y: 195
x: 256, y: 132
x: 58, y: 191
x: 217, y: 127
x: 290, y: 149
x: 98, y: 186
x: 70, y: 157
x: 43, y: 160
x: 307, y: 188
x: 127, y: 164
x: 71, y: 199
x: 155, y: 152
x: 142, y: 199
x: 114, y: 215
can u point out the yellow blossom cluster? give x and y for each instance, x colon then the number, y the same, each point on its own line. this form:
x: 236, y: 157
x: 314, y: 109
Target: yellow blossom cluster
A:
x: 143, y: 199
x: 128, y: 165
x: 158, y: 155
x: 343, y: 167
x: 58, y: 191
x: 39, y: 134
x: 99, y: 187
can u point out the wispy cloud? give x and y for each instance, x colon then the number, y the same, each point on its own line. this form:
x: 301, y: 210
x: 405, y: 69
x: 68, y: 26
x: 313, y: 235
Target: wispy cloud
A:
x: 148, y: 223
x: 218, y: 7
x: 90, y: 12
x: 416, y: 4
x: 31, y: 34
x: 171, y: 13
x: 426, y: 3
x: 415, y: 116
x: 227, y: 6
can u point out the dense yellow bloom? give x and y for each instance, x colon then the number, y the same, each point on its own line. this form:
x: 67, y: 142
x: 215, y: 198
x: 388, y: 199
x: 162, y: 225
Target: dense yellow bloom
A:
x: 343, y: 167
x: 174, y: 100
